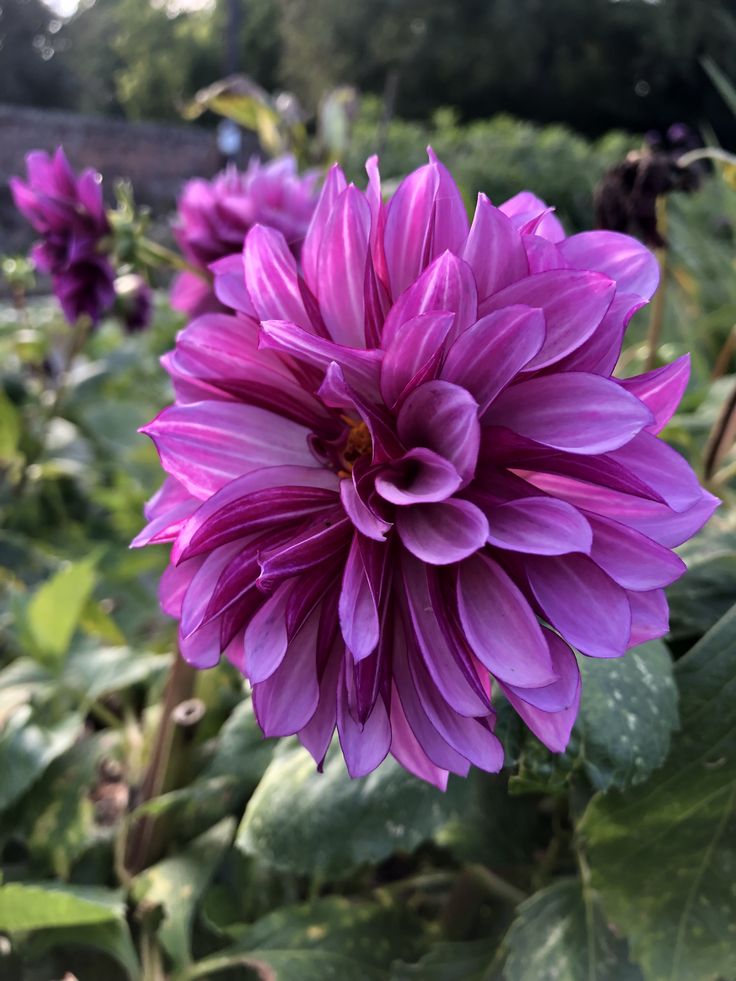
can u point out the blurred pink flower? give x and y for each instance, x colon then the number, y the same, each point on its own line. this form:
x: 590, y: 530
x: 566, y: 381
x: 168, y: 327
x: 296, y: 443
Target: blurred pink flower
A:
x: 214, y: 217
x: 69, y: 214
x: 405, y: 475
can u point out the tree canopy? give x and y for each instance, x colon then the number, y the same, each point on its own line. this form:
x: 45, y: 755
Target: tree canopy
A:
x: 593, y: 64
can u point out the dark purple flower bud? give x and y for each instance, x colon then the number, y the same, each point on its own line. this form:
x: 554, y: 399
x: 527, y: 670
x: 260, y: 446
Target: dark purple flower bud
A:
x: 134, y: 301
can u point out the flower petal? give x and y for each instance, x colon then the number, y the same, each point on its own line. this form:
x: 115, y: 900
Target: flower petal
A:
x: 632, y: 560
x: 574, y: 411
x: 447, y: 284
x: 442, y: 417
x: 661, y: 390
x: 632, y: 266
x: 332, y: 188
x: 288, y: 699
x: 358, y: 609
x: 206, y: 444
x: 588, y: 608
x: 420, y: 476
x: 415, y: 344
x: 443, y: 533
x: 488, y: 355
x: 364, y: 747
x: 539, y: 526
x: 450, y: 668
x: 550, y: 712
x: 342, y: 263
x: 574, y: 304
x: 271, y: 278
x: 494, y: 250
x: 500, y: 626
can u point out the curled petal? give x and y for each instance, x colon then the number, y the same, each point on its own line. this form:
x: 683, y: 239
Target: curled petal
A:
x: 442, y: 417
x: 420, y: 476
x: 443, y: 533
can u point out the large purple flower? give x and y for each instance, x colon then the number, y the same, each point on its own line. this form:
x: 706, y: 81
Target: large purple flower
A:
x: 69, y: 214
x: 404, y: 473
x: 214, y: 217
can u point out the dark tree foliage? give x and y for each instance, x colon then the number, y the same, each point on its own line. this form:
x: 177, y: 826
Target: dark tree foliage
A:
x: 31, y: 44
x: 594, y: 64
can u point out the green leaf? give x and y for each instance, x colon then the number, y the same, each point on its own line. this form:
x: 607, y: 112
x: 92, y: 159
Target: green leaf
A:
x: 560, y: 934
x: 9, y: 429
x: 101, y: 671
x: 628, y: 711
x: 112, y: 938
x: 35, y: 907
x: 53, y: 612
x: 241, y: 99
x: 721, y: 81
x: 306, y: 822
x: 58, y: 813
x: 663, y: 855
x: 176, y: 884
x: 241, y: 751
x: 702, y: 596
x: 493, y: 828
x: 627, y: 715
x: 27, y: 748
x: 365, y: 932
x: 468, y: 960
x: 287, y: 965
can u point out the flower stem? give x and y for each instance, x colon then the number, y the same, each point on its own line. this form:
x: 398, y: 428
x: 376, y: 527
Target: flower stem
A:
x: 161, y: 253
x: 656, y: 323
x: 179, y: 688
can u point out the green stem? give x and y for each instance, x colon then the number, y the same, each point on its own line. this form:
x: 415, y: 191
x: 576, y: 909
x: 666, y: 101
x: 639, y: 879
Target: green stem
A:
x: 706, y: 153
x: 657, y: 322
x: 154, y: 250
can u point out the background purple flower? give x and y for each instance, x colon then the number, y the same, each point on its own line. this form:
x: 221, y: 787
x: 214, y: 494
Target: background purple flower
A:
x: 69, y: 214
x: 214, y: 217
x: 403, y: 475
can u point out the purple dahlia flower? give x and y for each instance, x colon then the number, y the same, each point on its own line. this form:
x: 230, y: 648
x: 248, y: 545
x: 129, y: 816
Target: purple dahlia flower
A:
x: 69, y: 214
x: 214, y: 217
x: 403, y: 475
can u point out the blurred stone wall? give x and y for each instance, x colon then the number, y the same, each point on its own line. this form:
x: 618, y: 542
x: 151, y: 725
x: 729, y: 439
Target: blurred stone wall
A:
x: 156, y: 158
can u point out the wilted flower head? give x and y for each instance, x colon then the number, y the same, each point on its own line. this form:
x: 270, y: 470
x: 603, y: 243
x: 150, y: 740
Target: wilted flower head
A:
x: 404, y: 475
x: 214, y: 217
x: 69, y: 214
x: 134, y: 301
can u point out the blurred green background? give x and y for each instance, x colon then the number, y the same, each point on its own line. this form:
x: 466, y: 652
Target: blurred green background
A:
x: 613, y: 862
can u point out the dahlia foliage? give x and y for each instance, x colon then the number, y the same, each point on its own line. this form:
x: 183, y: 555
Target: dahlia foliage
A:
x: 401, y: 473
x: 69, y: 214
x: 214, y: 217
